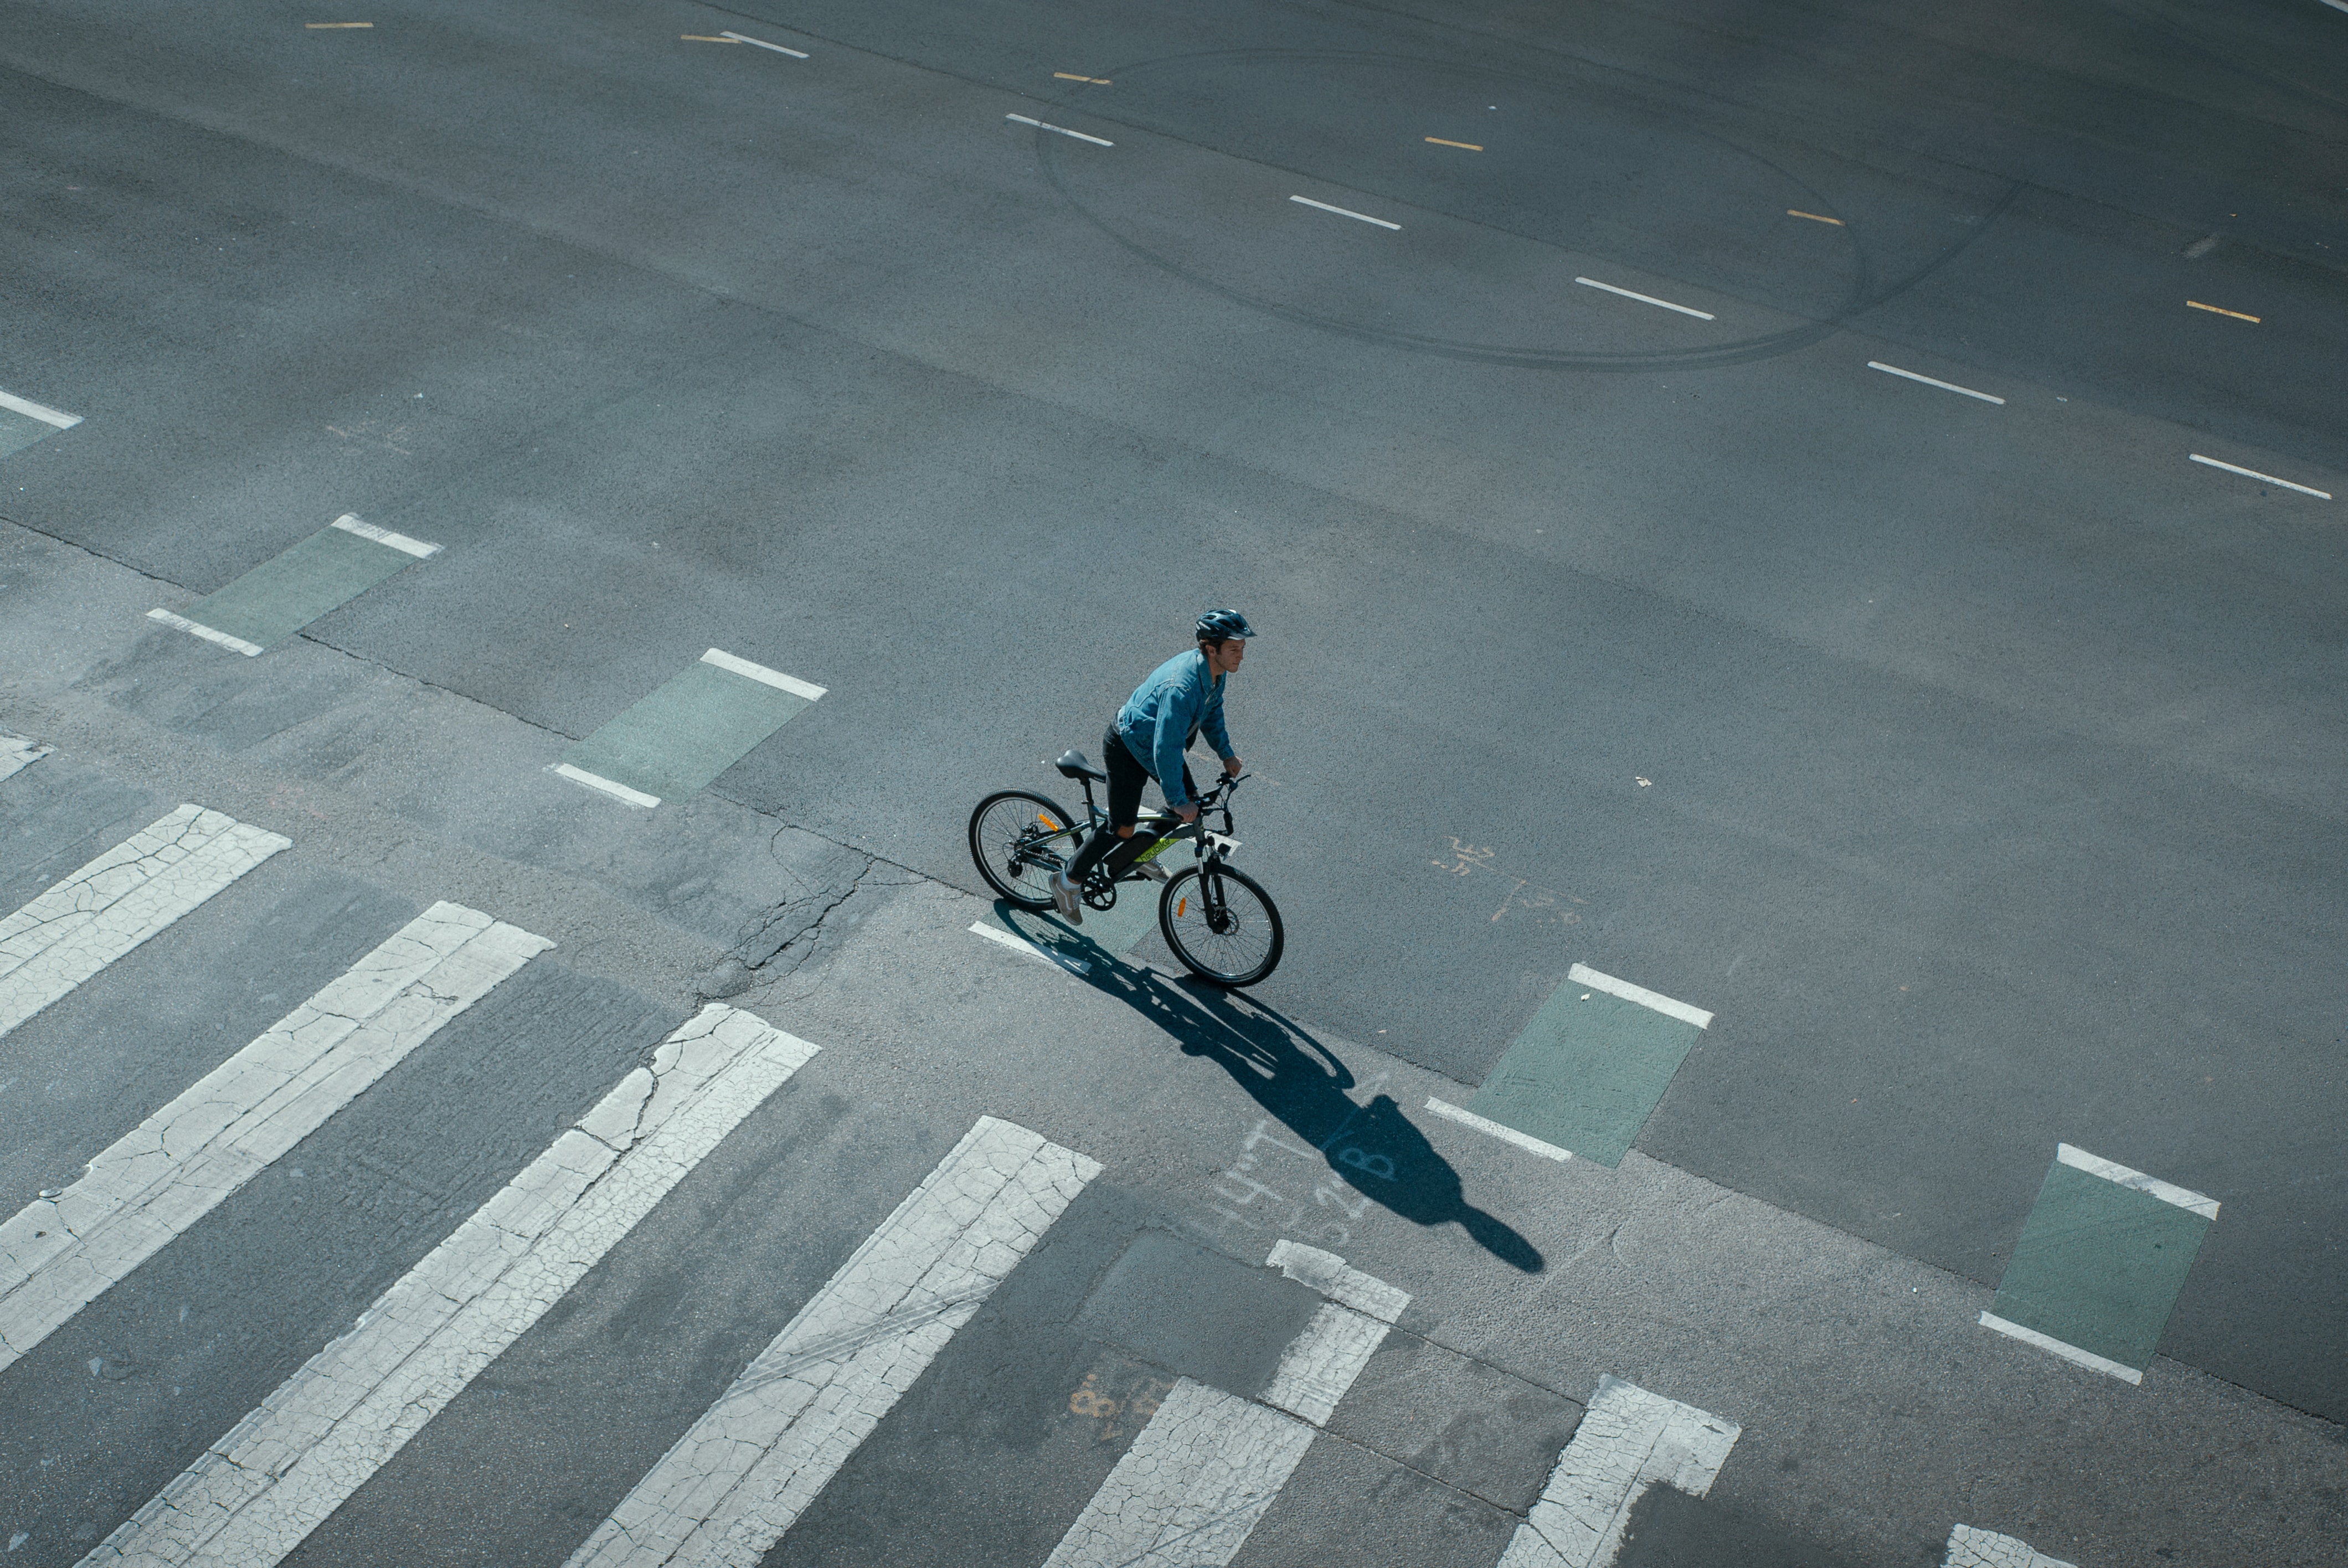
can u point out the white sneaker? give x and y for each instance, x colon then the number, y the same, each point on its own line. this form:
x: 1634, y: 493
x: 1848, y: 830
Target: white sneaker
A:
x: 1151, y: 869
x: 1063, y: 898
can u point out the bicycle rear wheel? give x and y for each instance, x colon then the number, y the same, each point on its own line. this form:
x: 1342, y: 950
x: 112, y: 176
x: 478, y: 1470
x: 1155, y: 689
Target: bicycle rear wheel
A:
x: 1018, y: 838
x: 1223, y: 926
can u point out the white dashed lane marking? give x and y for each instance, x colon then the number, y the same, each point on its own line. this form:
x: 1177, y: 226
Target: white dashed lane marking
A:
x: 127, y: 895
x: 737, y: 1482
x: 40, y: 411
x: 762, y: 44
x: 17, y: 755
x: 1647, y: 299
x: 1628, y: 1440
x: 1344, y: 212
x: 1929, y: 380
x: 58, y: 1254
x: 1207, y: 1467
x: 1064, y: 130
x: 258, y: 1492
x: 2263, y: 478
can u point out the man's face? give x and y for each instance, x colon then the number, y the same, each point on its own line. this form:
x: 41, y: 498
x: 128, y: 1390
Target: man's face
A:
x: 1224, y: 659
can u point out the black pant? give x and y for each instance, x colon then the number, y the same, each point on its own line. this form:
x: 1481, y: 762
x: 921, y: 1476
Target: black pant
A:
x: 1125, y: 777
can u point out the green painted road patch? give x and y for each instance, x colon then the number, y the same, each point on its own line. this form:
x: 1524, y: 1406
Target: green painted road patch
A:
x: 2101, y: 1261
x: 701, y: 723
x: 282, y: 595
x: 1591, y: 1066
x: 24, y: 422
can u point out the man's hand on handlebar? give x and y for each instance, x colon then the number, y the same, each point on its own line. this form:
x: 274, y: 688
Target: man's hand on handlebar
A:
x: 1186, y: 813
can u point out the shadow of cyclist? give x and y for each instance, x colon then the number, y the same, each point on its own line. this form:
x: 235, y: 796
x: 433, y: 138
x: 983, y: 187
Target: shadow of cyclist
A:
x: 1304, y: 1085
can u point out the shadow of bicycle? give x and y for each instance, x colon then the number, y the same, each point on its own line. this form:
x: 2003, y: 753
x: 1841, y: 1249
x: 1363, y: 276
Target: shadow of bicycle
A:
x: 1370, y: 1146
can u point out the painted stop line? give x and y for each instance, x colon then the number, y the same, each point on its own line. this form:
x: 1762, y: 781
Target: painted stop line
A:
x: 282, y: 595
x: 1586, y: 1073
x: 24, y: 422
x: 2100, y: 1263
x: 684, y: 736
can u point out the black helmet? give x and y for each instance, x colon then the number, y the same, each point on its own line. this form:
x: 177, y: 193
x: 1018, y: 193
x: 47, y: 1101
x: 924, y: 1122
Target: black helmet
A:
x: 1220, y: 625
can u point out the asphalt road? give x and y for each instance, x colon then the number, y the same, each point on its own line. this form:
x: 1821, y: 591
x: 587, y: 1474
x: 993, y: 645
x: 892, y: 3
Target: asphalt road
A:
x: 1968, y: 751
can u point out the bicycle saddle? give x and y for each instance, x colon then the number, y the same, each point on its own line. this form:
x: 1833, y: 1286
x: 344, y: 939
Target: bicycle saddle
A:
x: 1072, y: 765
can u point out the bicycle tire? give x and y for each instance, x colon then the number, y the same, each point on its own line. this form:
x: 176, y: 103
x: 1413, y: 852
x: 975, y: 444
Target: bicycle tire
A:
x: 995, y: 843
x: 1183, y: 920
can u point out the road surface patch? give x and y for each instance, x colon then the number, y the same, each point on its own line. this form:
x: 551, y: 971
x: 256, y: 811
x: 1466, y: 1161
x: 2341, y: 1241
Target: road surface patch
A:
x: 61, y: 1252
x: 1647, y: 299
x: 1628, y: 1440
x: 77, y: 927
x: 736, y: 1483
x: 282, y: 595
x: 1201, y: 1476
x: 1930, y: 380
x: 277, y: 1475
x: 1589, y: 1068
x: 701, y: 723
x: 1971, y: 1548
x: 24, y: 422
x: 2099, y: 1265
x: 2262, y: 478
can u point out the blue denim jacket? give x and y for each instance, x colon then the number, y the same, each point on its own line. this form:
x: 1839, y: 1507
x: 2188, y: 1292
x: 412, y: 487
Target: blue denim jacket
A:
x: 1166, y: 712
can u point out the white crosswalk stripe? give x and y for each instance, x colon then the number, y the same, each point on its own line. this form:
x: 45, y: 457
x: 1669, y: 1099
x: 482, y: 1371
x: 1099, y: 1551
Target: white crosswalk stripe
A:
x: 738, y: 1481
x: 127, y: 895
x: 262, y: 1489
x: 1201, y: 1474
x: 60, y: 1253
x: 1971, y: 1548
x: 1628, y: 1439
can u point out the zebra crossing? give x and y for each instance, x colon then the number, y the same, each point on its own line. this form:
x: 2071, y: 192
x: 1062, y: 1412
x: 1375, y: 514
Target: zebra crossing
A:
x: 1188, y: 1487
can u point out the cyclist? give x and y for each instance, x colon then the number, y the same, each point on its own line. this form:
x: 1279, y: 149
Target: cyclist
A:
x: 1166, y: 712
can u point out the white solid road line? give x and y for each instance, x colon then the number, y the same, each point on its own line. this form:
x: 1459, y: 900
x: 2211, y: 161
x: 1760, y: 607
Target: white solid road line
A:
x: 761, y: 43
x: 39, y: 411
x: 2069, y: 1352
x: 1628, y: 1440
x: 1345, y: 211
x: 609, y: 786
x: 180, y: 622
x: 2337, y: 4
x: 2263, y: 478
x: 1583, y: 974
x: 1203, y: 1471
x: 736, y: 1483
x: 1021, y: 945
x: 1971, y: 1548
x: 58, y: 1254
x: 764, y: 676
x: 282, y: 1471
x: 135, y: 890
x: 2151, y: 1186
x: 1525, y: 1141
x: 350, y: 524
x: 1647, y: 299
x: 17, y: 755
x: 1064, y: 130
x: 1927, y: 380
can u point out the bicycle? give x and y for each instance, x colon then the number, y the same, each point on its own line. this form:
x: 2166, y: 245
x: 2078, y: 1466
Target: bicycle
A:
x: 1219, y: 921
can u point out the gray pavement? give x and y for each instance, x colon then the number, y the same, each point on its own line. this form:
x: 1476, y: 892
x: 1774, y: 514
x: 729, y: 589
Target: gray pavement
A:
x: 1975, y: 763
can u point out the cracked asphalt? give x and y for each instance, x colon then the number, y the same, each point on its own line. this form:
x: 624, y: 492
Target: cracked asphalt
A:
x: 416, y: 1157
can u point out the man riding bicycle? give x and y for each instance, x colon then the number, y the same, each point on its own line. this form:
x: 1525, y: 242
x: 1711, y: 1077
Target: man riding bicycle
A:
x: 1181, y: 698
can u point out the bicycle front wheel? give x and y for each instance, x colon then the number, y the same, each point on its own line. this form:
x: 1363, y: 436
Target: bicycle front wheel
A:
x: 1221, y: 925
x: 1019, y: 838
